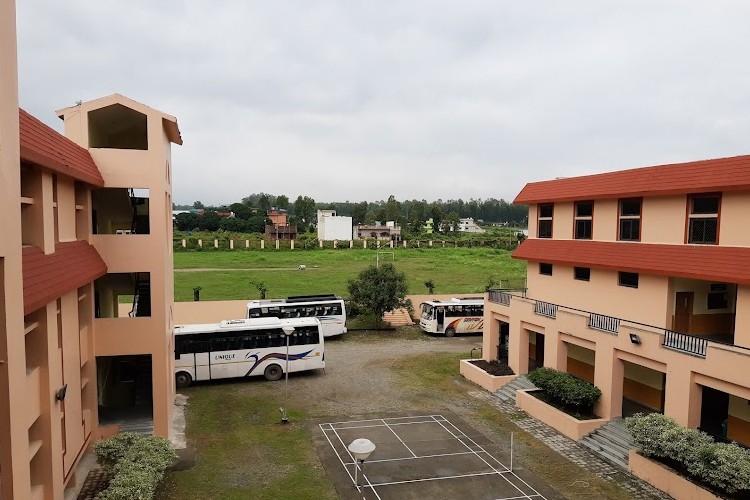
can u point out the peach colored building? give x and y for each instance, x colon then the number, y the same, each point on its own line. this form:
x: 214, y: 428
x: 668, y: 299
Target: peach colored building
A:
x: 639, y: 281
x: 86, y: 225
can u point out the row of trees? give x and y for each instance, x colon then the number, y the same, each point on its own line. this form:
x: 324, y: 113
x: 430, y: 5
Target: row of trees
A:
x: 411, y: 215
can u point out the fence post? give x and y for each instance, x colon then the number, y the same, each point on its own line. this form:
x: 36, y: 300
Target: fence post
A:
x: 351, y: 243
x: 291, y: 243
x: 430, y: 243
x: 231, y: 244
x: 277, y: 244
x: 216, y: 243
x: 247, y: 243
x: 262, y: 244
x: 184, y: 243
x: 200, y: 242
x: 320, y: 243
x: 335, y: 243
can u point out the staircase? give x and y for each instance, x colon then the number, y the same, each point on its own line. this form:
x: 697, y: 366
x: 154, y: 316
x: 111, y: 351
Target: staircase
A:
x: 612, y: 441
x: 398, y: 317
x: 507, y: 392
x: 142, y: 298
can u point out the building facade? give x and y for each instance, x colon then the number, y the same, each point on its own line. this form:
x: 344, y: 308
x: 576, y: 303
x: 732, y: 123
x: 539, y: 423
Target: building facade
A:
x: 333, y: 227
x: 280, y: 229
x: 638, y: 281
x: 89, y: 217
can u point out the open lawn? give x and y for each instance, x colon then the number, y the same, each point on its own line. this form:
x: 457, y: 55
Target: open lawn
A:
x: 229, y: 274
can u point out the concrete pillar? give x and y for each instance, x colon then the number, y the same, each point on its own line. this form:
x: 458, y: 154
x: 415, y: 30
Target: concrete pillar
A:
x: 335, y: 243
x: 443, y: 243
x: 518, y: 348
x: 262, y: 244
x: 417, y: 243
x: 430, y: 243
x: 351, y: 243
x: 490, y: 339
x: 378, y: 243
x: 609, y: 376
x: 404, y: 243
x: 291, y: 244
x: 231, y: 244
x: 200, y: 242
x: 364, y: 243
x: 320, y: 243
x: 682, y: 397
x: 247, y: 243
x: 184, y: 243
x: 216, y: 243
x: 277, y: 244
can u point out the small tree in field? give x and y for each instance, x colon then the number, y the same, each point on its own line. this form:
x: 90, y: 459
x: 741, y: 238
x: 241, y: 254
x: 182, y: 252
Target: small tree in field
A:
x: 430, y: 284
x: 261, y: 287
x: 379, y: 289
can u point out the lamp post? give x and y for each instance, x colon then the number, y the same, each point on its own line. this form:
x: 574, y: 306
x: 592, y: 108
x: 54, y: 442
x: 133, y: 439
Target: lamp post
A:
x: 361, y: 449
x: 288, y: 330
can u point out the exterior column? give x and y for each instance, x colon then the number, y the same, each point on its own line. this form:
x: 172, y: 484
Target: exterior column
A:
x: 491, y: 338
x: 518, y: 347
x: 609, y: 377
x: 682, y: 397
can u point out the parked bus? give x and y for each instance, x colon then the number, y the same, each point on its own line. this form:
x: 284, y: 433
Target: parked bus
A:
x: 329, y: 309
x: 246, y: 347
x: 450, y: 317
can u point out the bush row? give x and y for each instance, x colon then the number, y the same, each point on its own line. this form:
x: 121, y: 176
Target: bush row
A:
x: 723, y: 465
x: 571, y: 392
x: 136, y: 463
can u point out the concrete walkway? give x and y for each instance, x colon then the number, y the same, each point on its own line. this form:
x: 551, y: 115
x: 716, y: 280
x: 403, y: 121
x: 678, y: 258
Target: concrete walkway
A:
x: 573, y: 451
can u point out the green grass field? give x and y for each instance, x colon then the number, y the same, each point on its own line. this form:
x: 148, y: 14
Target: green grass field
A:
x: 454, y: 270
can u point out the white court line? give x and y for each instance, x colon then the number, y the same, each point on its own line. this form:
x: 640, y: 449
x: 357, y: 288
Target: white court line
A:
x: 516, y: 498
x: 381, y: 425
x: 407, y: 481
x: 399, y: 438
x: 377, y: 419
x: 536, y: 493
x: 417, y: 458
x: 347, y: 470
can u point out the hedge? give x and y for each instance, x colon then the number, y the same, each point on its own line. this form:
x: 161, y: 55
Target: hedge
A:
x: 571, y: 392
x: 723, y: 465
x: 136, y: 464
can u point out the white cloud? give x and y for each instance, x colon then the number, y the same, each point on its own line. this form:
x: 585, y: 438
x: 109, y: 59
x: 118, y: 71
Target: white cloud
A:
x: 419, y: 98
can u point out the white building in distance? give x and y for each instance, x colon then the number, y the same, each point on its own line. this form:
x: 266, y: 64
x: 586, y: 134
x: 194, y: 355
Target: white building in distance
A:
x: 469, y: 226
x: 333, y: 227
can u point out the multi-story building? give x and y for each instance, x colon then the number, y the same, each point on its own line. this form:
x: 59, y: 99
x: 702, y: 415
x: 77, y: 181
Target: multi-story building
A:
x: 334, y: 227
x: 280, y: 229
x: 87, y: 234
x: 639, y: 281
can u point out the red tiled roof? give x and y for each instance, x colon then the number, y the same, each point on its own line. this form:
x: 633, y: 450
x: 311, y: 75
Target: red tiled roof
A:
x: 723, y: 174
x: 703, y: 262
x: 45, y: 147
x: 47, y: 277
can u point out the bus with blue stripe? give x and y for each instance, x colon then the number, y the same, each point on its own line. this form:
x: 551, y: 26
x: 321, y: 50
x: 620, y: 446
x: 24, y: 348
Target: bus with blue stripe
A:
x: 329, y: 309
x: 449, y: 317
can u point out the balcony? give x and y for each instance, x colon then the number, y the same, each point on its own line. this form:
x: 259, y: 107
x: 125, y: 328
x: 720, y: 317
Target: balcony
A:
x: 545, y: 309
x: 604, y: 323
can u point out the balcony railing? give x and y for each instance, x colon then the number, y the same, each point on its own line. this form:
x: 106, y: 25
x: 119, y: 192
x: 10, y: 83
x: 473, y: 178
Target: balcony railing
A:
x: 690, y: 344
x: 545, y: 309
x: 604, y: 323
x: 502, y: 298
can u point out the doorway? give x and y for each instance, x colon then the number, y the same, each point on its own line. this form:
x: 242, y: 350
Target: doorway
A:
x: 683, y: 312
x: 536, y: 350
x: 503, y: 342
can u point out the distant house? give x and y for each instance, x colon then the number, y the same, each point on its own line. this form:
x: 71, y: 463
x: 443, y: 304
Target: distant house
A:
x: 429, y: 226
x: 389, y: 231
x: 333, y: 227
x: 468, y: 226
x: 280, y: 229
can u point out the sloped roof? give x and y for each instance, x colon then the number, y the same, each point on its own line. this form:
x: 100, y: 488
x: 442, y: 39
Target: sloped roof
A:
x: 722, y: 174
x: 47, y: 277
x: 43, y: 146
x: 703, y: 262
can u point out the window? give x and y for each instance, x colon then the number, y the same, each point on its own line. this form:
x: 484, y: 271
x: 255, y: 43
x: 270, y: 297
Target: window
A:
x: 582, y: 273
x: 584, y: 220
x: 544, y: 223
x: 630, y: 219
x: 627, y: 279
x: 718, y: 296
x: 703, y: 219
x: 545, y: 269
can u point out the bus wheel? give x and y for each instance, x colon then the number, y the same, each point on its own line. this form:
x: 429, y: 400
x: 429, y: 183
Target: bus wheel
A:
x: 183, y: 379
x: 450, y: 332
x: 273, y: 372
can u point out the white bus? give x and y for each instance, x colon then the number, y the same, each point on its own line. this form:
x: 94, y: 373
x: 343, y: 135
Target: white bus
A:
x: 246, y: 347
x: 329, y: 309
x: 450, y: 317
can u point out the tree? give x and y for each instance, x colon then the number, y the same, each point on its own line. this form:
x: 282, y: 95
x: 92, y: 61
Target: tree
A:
x: 261, y: 287
x: 437, y: 218
x: 392, y: 210
x: 233, y: 224
x: 430, y: 284
x: 379, y: 289
x: 282, y: 201
x: 264, y: 203
x: 209, y: 221
x: 304, y: 210
x: 359, y: 213
x: 186, y: 221
x: 198, y: 205
x: 451, y: 222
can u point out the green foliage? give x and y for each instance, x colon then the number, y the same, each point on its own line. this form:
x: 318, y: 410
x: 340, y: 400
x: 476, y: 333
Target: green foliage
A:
x: 571, y: 392
x: 724, y: 466
x: 379, y: 289
x: 430, y: 284
x: 137, y: 464
x: 261, y: 287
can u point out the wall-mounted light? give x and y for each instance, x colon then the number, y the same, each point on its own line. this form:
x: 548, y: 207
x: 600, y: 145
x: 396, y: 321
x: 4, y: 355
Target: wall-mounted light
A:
x: 60, y: 394
x: 635, y: 339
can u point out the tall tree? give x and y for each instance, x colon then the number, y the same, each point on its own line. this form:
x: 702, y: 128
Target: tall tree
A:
x: 379, y: 289
x: 198, y: 204
x: 359, y: 213
x: 282, y: 201
x: 304, y: 210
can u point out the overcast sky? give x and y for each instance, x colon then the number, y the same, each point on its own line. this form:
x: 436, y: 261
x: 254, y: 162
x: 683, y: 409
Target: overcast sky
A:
x: 428, y: 99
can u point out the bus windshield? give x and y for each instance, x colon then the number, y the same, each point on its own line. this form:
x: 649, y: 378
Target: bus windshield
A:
x: 427, y: 310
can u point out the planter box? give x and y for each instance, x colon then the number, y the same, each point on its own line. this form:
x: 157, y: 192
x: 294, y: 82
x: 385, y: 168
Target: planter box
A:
x: 664, y: 478
x: 565, y: 424
x: 483, y: 379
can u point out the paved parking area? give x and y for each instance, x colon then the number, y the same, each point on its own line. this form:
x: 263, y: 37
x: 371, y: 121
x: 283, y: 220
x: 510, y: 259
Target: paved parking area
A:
x: 423, y: 456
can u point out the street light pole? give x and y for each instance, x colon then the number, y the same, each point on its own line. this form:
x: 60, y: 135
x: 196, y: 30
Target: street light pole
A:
x: 288, y: 330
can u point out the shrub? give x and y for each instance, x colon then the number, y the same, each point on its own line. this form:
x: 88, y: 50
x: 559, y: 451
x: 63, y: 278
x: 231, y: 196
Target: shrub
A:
x: 571, y: 392
x: 724, y: 466
x: 136, y: 463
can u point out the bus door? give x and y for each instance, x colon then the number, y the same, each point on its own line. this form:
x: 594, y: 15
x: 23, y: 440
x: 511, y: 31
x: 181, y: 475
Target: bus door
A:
x: 440, y: 316
x: 202, y: 367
